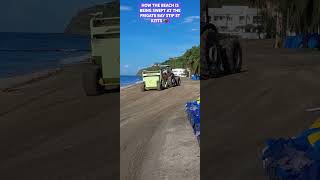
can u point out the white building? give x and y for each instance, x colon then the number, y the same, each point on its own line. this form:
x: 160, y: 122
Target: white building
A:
x: 238, y: 20
x: 180, y: 72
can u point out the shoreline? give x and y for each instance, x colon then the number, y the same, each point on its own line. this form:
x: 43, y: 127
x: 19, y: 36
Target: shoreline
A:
x: 10, y: 83
x: 131, y: 85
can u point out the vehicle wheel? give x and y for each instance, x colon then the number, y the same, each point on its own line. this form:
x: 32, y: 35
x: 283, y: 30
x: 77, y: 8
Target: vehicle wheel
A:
x: 215, y: 60
x: 178, y: 81
x: 163, y: 85
x: 169, y: 83
x: 210, y: 54
x: 238, y: 57
x: 159, y: 86
x: 143, y: 87
x: 90, y: 81
x: 232, y: 59
x: 174, y: 81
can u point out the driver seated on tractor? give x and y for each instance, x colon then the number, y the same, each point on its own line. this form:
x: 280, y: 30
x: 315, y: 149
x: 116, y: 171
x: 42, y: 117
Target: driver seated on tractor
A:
x: 173, y: 79
x: 165, y: 74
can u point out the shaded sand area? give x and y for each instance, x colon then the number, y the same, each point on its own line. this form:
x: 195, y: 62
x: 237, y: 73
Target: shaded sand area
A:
x: 49, y: 128
x: 268, y: 100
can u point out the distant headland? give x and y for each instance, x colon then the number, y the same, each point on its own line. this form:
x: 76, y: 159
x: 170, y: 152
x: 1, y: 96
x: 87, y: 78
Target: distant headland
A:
x: 80, y: 23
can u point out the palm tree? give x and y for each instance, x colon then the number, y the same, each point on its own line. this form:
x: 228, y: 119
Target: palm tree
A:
x: 304, y: 16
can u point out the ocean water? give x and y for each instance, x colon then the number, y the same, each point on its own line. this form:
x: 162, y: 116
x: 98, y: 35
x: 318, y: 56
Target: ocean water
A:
x: 23, y: 53
x: 129, y: 80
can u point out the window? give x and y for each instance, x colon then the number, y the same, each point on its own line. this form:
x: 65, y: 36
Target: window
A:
x: 216, y: 18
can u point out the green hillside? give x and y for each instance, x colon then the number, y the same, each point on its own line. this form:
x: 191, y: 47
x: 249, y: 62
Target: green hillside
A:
x: 80, y: 23
x: 189, y: 59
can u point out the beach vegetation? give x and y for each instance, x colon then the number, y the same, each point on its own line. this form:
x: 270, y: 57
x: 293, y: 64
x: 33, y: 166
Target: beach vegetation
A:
x: 189, y: 59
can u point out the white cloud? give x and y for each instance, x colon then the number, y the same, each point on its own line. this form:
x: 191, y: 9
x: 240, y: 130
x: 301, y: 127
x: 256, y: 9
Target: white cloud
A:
x: 191, y: 19
x: 126, y: 66
x: 194, y: 29
x: 125, y: 8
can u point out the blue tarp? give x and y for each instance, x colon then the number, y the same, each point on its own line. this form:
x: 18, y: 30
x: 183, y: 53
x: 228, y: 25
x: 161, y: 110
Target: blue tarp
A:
x: 311, y: 40
x: 314, y: 41
x: 193, y: 112
x: 294, y: 41
x: 195, y: 77
x: 295, y: 158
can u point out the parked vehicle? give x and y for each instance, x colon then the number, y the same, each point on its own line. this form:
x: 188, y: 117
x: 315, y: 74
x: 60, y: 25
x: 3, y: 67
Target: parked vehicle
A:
x: 180, y: 72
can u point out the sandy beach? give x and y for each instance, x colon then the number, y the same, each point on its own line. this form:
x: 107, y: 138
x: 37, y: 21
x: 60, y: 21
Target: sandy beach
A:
x: 47, y: 120
x: 156, y: 140
x: 49, y: 128
x: 267, y: 100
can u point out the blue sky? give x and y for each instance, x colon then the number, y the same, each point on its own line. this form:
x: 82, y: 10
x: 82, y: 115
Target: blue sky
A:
x: 144, y: 43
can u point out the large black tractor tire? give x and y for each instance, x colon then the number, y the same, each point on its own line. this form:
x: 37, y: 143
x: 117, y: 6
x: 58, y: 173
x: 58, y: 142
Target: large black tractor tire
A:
x: 232, y: 58
x: 178, y: 80
x: 174, y: 81
x: 216, y: 65
x: 210, y: 56
x: 169, y: 82
x: 208, y: 26
x: 90, y: 81
x: 238, y: 57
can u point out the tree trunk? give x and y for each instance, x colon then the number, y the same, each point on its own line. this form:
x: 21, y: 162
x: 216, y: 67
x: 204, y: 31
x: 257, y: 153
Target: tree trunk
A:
x: 259, y: 15
x: 279, y: 30
x: 288, y: 25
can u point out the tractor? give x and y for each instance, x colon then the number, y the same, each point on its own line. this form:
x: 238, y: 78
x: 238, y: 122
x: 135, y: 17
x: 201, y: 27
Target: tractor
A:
x: 103, y: 72
x: 220, y: 54
x: 159, y: 79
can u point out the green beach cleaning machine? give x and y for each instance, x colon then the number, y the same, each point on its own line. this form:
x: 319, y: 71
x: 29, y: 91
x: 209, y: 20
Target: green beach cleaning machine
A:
x: 104, y: 72
x: 160, y: 78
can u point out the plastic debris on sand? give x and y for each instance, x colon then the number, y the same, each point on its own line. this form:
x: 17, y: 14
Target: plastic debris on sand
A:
x: 193, y: 113
x: 296, y: 158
